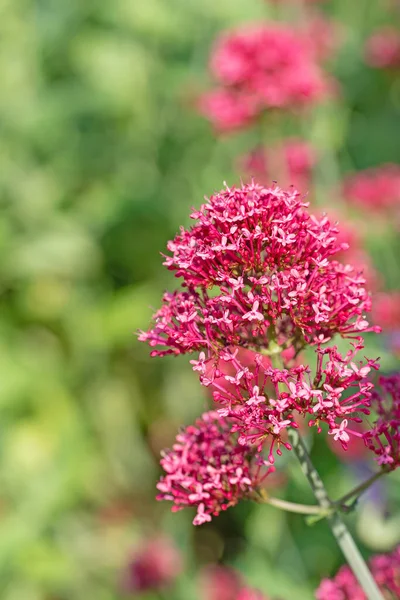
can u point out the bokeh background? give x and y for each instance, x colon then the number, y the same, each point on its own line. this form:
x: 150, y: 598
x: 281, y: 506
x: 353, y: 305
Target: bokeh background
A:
x: 102, y: 155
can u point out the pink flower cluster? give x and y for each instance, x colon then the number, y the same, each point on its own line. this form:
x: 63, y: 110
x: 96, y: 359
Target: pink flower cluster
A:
x: 153, y: 566
x: 386, y: 310
x: 223, y: 583
x: 375, y: 188
x: 382, y: 49
x: 292, y: 162
x: 263, y: 402
x: 344, y: 586
x: 258, y: 269
x: 208, y: 469
x: 259, y: 67
x: 384, y: 437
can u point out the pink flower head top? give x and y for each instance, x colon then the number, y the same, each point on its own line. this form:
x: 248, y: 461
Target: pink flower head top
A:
x: 153, y: 566
x: 375, y: 189
x: 384, y: 437
x: 223, y: 583
x: 263, y: 403
x: 208, y: 469
x: 257, y: 269
x: 259, y: 67
x: 344, y: 586
x: 382, y: 49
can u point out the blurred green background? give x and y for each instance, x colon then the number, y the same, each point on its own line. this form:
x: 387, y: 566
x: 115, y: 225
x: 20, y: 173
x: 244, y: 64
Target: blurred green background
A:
x: 102, y: 155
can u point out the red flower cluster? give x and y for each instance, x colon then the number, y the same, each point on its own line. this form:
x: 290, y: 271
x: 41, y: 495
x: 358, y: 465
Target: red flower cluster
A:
x: 291, y: 162
x: 260, y: 67
x: 153, y: 566
x: 344, y: 586
x: 208, y: 469
x: 259, y: 270
x: 262, y: 402
x: 384, y: 437
x: 382, y: 49
x: 376, y: 188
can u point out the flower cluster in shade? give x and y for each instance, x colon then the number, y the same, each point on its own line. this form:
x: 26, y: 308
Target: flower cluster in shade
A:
x: 262, y: 402
x: 383, y: 438
x: 382, y: 49
x: 376, y: 189
x: 153, y: 566
x: 257, y: 269
x: 291, y: 162
x: 385, y: 569
x: 260, y: 67
x: 223, y: 583
x: 208, y: 469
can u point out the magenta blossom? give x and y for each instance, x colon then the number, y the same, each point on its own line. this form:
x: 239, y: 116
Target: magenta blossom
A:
x: 263, y: 403
x: 208, y: 469
x: 258, y: 270
x: 384, y: 437
x: 344, y: 586
x: 260, y: 67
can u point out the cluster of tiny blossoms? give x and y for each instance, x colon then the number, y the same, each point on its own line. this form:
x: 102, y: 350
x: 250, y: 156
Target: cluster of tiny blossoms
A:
x: 223, y: 583
x: 382, y: 49
x: 263, y: 402
x: 259, y: 279
x: 259, y: 67
x: 344, y: 586
x: 208, y: 469
x: 384, y: 436
x: 257, y: 269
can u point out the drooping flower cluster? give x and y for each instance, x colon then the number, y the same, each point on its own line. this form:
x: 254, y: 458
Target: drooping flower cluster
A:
x: 258, y: 270
x: 382, y: 49
x: 384, y: 437
x: 291, y: 162
x: 208, y: 469
x: 259, y: 67
x: 375, y: 188
x: 153, y: 566
x: 344, y: 586
x: 263, y: 402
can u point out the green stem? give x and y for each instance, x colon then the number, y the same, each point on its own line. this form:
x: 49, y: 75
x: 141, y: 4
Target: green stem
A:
x: 294, y: 507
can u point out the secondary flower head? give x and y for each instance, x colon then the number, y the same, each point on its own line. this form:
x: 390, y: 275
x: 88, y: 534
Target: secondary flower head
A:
x: 382, y: 49
x: 261, y: 67
x: 257, y: 270
x: 208, y: 469
x: 344, y: 586
x: 153, y: 566
x: 263, y: 403
x: 384, y: 437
